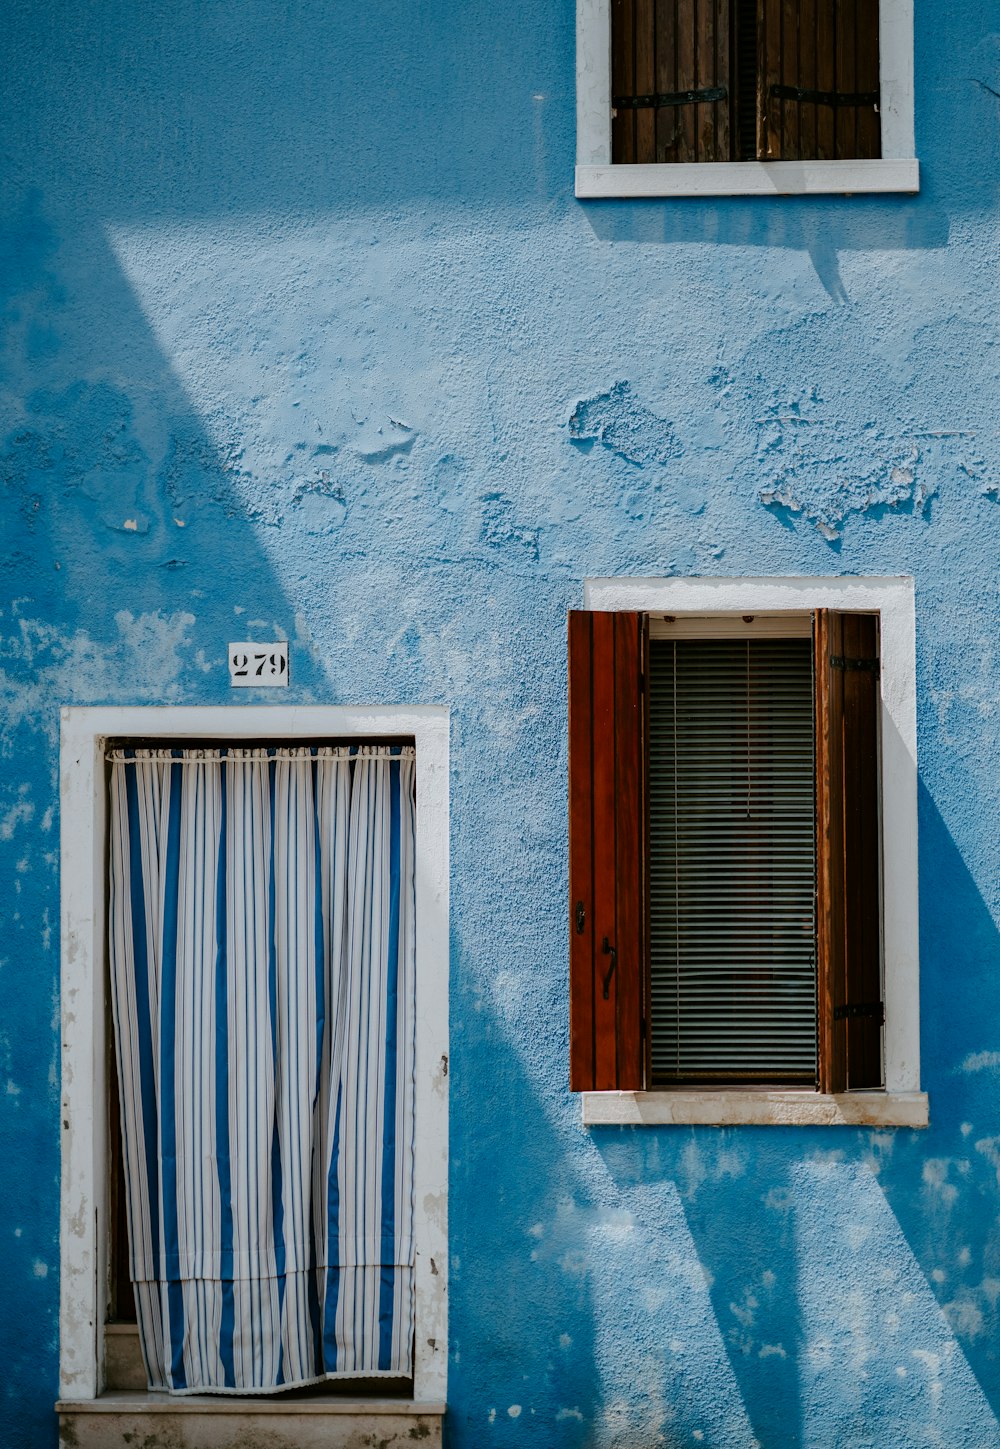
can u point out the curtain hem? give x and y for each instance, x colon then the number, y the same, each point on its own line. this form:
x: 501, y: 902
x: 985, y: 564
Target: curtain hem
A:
x: 284, y: 1388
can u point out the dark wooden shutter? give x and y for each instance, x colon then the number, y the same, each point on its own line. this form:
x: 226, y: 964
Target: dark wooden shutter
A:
x: 607, y: 854
x: 848, y: 873
x: 819, y: 75
x: 670, y: 80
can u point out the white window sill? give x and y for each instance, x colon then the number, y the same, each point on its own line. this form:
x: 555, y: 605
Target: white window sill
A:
x: 147, y: 1402
x: 735, y: 1107
x: 748, y: 178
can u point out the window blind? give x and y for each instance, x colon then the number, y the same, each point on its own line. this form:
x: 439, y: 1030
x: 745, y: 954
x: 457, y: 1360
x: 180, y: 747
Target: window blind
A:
x: 732, y: 856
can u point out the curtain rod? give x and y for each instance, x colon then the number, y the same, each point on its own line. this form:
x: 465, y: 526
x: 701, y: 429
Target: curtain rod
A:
x: 179, y: 755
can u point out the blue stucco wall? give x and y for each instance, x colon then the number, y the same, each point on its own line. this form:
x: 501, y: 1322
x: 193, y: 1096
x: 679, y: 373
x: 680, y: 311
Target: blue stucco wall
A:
x: 304, y: 335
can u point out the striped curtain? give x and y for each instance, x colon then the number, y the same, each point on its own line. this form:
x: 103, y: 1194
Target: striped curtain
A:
x: 261, y: 931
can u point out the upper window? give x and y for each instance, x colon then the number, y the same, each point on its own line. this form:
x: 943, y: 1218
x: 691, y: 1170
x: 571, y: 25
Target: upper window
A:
x: 726, y: 849
x: 707, y: 97
x: 745, y: 80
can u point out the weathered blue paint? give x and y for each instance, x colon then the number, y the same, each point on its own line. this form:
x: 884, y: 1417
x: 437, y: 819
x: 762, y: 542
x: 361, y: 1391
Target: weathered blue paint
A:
x: 304, y: 334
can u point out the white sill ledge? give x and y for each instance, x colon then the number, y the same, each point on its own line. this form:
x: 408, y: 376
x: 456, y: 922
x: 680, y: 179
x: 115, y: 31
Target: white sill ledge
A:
x: 121, y: 1420
x: 738, y: 1107
x: 748, y: 178
x: 127, y: 1402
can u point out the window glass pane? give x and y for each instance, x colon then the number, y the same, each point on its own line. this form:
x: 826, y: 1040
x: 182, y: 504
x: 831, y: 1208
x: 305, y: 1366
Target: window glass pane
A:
x: 732, y: 860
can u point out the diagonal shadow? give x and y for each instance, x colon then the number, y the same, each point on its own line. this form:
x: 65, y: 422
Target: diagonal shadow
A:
x: 853, y: 1275
x: 127, y: 540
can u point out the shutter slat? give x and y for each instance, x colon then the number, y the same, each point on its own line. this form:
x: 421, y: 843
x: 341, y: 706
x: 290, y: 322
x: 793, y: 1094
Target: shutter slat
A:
x: 869, y: 134
x: 645, y: 79
x: 732, y: 860
x: 622, y: 79
x: 607, y: 850
x: 845, y: 117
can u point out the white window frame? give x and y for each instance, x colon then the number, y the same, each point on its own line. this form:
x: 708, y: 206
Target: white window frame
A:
x: 896, y: 170
x: 900, y: 1103
x: 84, y: 1225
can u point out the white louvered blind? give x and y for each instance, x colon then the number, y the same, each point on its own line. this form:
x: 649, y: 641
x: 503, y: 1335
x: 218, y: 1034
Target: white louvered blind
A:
x: 732, y: 860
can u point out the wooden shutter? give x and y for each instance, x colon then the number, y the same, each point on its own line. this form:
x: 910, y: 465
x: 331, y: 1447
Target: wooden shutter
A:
x: 819, y: 74
x: 848, y: 696
x: 607, y: 855
x: 670, y: 80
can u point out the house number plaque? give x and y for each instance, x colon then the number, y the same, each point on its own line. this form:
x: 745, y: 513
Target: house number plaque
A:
x: 258, y: 666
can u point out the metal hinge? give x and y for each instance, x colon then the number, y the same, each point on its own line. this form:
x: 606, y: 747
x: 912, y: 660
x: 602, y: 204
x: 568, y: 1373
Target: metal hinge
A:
x: 670, y: 98
x: 860, y: 1008
x: 824, y: 98
x: 870, y: 666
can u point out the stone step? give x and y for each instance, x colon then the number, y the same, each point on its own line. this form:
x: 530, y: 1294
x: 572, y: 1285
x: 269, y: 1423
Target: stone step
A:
x: 123, y: 1419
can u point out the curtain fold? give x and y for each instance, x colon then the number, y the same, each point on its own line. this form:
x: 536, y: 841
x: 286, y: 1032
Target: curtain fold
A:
x: 262, y: 956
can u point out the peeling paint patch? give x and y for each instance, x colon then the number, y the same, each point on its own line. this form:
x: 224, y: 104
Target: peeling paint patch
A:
x: 19, y: 813
x: 149, y: 651
x: 321, y: 503
x: 625, y: 426
x: 935, y: 1176
x: 990, y: 1148
x: 813, y: 471
x: 500, y: 528
x: 981, y: 1062
x: 380, y: 442
x: 807, y: 489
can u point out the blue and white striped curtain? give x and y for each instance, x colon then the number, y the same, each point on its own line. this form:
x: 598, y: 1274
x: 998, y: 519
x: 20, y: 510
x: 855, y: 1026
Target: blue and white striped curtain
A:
x: 261, y: 927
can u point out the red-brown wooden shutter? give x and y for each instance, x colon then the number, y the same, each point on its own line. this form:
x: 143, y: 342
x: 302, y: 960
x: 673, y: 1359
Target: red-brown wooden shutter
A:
x: 848, y: 903
x: 607, y: 849
x: 670, y: 80
x: 819, y: 74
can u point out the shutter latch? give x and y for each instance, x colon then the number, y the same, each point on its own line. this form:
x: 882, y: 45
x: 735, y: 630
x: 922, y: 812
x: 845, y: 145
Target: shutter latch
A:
x: 838, y: 661
x: 581, y: 918
x: 860, y: 1008
x: 608, y: 950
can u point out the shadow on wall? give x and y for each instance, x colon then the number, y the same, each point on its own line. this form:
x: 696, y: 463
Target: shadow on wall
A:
x: 857, y: 1277
x: 125, y: 545
x: 824, y: 227
x: 235, y: 108
x: 521, y: 1328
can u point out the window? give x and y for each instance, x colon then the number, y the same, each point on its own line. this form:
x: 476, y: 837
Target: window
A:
x: 732, y: 855
x: 727, y: 813
x: 88, y: 1203
x: 713, y: 97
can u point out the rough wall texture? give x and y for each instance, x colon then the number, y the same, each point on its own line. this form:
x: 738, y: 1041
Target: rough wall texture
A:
x: 304, y: 335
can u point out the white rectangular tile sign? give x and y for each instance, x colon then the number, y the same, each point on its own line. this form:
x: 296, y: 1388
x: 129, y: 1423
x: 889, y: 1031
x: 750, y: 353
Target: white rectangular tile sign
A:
x: 258, y: 666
